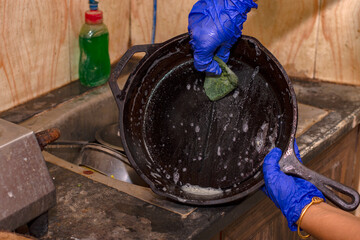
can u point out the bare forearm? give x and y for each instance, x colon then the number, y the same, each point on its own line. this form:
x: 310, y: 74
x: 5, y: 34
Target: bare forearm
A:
x: 326, y: 222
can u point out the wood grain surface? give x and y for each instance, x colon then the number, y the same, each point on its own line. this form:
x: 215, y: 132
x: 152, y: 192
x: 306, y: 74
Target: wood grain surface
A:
x: 141, y: 21
x: 288, y: 30
x: 34, y: 56
x: 172, y: 20
x: 338, y: 48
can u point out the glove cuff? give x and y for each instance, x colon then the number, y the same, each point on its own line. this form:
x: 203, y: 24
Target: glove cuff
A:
x: 243, y: 8
x: 248, y: 3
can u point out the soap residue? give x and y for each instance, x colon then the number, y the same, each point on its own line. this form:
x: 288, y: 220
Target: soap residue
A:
x: 197, y: 190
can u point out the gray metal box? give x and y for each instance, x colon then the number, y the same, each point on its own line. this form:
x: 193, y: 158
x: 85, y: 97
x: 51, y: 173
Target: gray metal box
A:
x: 26, y: 188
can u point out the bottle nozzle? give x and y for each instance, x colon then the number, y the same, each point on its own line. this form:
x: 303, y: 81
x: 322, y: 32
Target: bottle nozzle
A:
x: 93, y: 5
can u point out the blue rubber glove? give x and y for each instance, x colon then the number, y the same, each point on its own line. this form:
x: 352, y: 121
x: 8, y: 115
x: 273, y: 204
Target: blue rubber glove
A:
x: 214, y: 26
x: 290, y: 194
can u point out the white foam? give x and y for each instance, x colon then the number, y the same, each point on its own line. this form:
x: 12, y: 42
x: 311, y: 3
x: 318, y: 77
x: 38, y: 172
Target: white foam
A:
x: 203, y: 191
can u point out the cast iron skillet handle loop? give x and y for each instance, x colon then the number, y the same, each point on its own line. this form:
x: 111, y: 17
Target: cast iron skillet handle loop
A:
x: 147, y: 48
x: 289, y: 164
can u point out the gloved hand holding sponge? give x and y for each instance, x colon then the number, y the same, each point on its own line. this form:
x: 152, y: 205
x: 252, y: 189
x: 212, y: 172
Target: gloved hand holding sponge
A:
x: 214, y: 26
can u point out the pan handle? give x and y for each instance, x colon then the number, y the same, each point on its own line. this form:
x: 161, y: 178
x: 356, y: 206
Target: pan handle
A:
x: 147, y: 48
x: 289, y: 164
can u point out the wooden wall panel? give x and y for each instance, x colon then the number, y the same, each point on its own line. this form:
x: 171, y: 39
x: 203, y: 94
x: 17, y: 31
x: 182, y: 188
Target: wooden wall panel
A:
x: 338, y: 50
x: 288, y: 30
x: 171, y: 20
x: 34, y: 56
x: 141, y: 21
x: 116, y: 17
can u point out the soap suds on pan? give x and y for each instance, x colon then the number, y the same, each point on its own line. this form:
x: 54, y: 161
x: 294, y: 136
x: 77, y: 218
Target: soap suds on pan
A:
x: 197, y: 190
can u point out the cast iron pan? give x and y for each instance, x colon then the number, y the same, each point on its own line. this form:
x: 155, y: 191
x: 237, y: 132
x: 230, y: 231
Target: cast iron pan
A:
x: 200, y: 152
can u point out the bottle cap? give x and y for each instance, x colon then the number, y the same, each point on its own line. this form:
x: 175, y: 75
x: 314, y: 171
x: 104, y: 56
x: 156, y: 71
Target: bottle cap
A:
x: 93, y: 17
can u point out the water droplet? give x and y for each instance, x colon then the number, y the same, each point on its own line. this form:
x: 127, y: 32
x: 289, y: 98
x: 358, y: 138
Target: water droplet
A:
x: 188, y: 86
x: 219, y: 151
x: 256, y: 71
x: 184, y: 169
x: 176, y: 177
x: 257, y: 50
x: 235, y: 94
x: 197, y: 129
x: 245, y: 127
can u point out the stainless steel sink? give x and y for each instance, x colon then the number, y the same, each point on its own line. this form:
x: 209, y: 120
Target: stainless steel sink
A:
x: 78, y: 121
x: 98, y: 158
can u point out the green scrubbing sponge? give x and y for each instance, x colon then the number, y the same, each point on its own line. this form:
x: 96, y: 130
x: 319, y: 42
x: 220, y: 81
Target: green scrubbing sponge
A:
x: 218, y: 86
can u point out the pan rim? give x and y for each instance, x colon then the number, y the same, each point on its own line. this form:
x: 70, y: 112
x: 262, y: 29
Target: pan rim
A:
x: 203, y: 201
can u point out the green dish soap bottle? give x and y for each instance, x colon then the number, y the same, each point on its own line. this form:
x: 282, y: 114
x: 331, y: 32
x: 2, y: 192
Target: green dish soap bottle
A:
x: 94, y: 64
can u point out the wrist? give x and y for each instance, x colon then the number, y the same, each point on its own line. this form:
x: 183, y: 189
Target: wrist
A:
x: 315, y: 200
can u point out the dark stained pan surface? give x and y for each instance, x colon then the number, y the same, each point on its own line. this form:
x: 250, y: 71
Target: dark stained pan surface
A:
x: 198, y: 151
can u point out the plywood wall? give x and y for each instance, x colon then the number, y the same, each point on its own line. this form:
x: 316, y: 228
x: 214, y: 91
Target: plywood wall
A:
x: 34, y: 55
x: 338, y: 48
x: 171, y: 19
x: 289, y: 30
x: 311, y: 38
x: 39, y: 46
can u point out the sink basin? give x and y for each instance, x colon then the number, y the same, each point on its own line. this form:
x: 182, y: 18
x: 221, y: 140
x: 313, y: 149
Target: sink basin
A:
x: 78, y: 120
x: 98, y: 158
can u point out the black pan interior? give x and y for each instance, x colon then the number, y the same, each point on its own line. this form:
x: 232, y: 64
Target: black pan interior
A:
x: 192, y: 149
